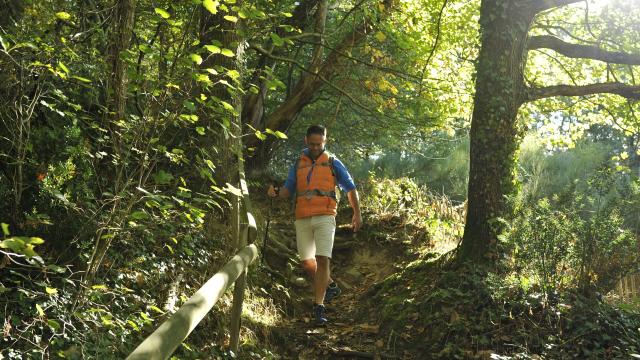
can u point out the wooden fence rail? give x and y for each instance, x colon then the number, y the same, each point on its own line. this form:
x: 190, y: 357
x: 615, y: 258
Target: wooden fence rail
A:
x: 164, y: 341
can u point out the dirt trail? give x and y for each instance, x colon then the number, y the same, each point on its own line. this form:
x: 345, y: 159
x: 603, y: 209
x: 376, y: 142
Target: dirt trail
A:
x: 357, y: 265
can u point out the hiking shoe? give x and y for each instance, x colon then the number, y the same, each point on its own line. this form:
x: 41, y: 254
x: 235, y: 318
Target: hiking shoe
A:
x: 332, y: 291
x: 318, y: 314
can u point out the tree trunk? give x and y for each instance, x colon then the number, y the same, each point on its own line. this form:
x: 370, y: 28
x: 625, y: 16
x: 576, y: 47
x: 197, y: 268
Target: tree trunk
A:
x: 215, y: 28
x: 225, y: 127
x: 493, y: 137
x: 121, y: 33
x: 320, y: 71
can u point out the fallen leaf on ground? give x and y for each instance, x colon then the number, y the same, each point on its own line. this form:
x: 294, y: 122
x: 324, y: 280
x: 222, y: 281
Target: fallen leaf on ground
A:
x: 369, y: 328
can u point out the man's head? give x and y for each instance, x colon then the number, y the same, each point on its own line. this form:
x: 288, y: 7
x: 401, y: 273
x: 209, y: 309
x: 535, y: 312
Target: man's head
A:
x: 315, y: 139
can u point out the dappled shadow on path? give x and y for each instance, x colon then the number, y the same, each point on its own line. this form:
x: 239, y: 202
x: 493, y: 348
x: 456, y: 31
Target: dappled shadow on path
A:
x: 349, y: 335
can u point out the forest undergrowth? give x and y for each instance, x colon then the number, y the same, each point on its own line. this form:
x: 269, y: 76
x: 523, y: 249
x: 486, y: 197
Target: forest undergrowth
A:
x: 404, y: 296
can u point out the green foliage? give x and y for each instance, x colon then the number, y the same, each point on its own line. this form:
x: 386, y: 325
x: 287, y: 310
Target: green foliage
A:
x: 415, y: 205
x: 541, y: 240
x: 18, y: 245
x: 466, y: 313
x: 570, y: 247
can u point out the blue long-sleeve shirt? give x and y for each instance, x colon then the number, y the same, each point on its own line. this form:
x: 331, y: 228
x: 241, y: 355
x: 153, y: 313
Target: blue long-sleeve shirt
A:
x: 344, y: 179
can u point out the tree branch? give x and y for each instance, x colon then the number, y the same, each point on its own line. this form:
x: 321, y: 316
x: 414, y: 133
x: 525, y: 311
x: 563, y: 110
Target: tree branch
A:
x: 402, y: 74
x: 307, y: 72
x: 626, y: 91
x: 542, y: 5
x: 318, y: 51
x: 308, y: 85
x: 582, y: 51
x: 435, y: 46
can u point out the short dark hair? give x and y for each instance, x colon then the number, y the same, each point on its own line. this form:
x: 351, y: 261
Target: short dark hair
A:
x: 317, y: 129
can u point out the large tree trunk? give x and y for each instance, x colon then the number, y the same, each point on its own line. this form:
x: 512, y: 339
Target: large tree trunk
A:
x: 493, y: 136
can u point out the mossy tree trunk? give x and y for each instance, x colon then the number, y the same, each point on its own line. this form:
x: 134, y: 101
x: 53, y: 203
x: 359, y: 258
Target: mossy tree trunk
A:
x: 500, y: 91
x: 494, y: 139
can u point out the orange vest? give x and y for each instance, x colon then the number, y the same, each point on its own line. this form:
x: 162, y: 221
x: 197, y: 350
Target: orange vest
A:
x: 315, y: 187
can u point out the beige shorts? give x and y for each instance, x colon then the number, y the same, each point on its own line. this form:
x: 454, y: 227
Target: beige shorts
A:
x: 314, y: 236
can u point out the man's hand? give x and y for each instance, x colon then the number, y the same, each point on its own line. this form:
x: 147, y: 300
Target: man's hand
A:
x: 354, y: 201
x: 356, y: 222
x: 272, y: 191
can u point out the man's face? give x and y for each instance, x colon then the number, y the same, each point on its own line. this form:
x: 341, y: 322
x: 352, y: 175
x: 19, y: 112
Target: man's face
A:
x: 315, y: 143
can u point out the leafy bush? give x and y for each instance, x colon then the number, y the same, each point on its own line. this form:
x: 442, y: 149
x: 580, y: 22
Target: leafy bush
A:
x: 466, y: 314
x: 564, y: 247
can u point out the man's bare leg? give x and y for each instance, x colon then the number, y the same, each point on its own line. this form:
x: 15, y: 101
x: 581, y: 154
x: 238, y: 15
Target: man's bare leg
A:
x: 311, y: 267
x: 321, y: 279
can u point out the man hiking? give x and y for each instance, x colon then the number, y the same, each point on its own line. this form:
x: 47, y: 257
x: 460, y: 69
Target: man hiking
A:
x: 313, y: 180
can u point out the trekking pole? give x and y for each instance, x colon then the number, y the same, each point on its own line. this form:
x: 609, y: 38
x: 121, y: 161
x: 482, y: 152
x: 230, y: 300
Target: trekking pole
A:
x: 266, y: 231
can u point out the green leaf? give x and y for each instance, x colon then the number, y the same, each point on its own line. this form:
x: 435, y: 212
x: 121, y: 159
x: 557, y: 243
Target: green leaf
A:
x: 280, y: 135
x: 56, y: 268
x: 133, y: 325
x: 51, y: 291
x: 277, y: 134
x: 162, y: 177
x: 212, y: 49
x: 189, y: 117
x: 277, y: 40
x: 260, y: 135
x: 106, y: 320
x: 234, y: 74
x: 242, y: 14
x: 62, y: 15
x: 139, y: 215
x: 163, y: 13
x: 145, y: 317
x: 227, y: 53
x: 28, y: 251
x: 233, y: 190
x: 196, y: 58
x: 39, y: 309
x: 63, y: 67
x: 5, y: 229
x: 189, y: 105
x: 200, y: 130
x: 84, y: 80
x: 231, y: 18
x: 227, y: 106
x: 204, y: 78
x: 274, y: 84
x: 99, y: 287
x: 380, y: 36
x: 15, y: 244
x: 4, y: 44
x: 211, y: 5
x: 287, y: 28
x: 53, y: 324
x: 156, y: 309
x: 36, y: 241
